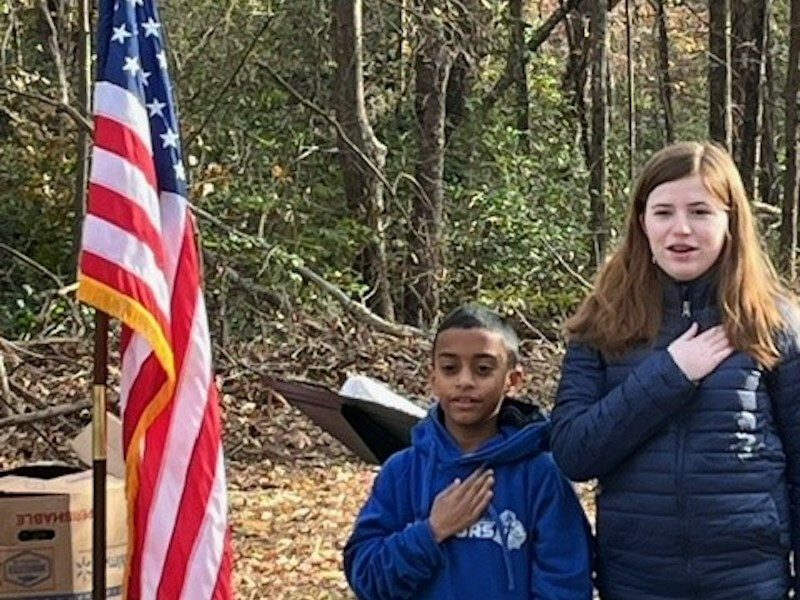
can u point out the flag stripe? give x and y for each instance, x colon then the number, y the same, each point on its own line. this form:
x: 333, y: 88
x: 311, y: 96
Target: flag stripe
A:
x: 115, y: 209
x: 137, y: 395
x: 126, y: 179
x: 195, y: 379
x: 149, y: 470
x: 114, y: 137
x: 186, y: 278
x: 124, y: 255
x: 114, y: 102
x: 115, y: 277
x: 175, y: 218
x: 223, y: 588
x: 208, y: 556
x: 201, y: 471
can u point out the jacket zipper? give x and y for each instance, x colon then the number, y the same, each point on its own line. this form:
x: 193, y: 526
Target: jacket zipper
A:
x: 686, y: 313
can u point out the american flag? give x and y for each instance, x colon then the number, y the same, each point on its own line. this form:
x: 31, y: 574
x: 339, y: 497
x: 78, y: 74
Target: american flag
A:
x: 139, y: 263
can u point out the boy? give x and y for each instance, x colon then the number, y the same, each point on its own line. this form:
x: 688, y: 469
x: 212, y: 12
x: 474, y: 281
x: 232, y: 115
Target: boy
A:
x: 476, y: 508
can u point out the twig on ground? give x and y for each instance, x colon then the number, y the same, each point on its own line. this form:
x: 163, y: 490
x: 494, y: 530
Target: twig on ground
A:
x: 47, y: 413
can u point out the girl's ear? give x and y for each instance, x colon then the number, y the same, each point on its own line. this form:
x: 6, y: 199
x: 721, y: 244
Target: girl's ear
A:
x: 514, y: 379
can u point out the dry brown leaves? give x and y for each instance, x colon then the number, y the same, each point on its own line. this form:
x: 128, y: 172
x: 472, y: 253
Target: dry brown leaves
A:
x: 290, y: 528
x: 294, y: 490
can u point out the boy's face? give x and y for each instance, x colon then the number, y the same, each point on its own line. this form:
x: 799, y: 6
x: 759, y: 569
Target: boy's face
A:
x: 471, y: 375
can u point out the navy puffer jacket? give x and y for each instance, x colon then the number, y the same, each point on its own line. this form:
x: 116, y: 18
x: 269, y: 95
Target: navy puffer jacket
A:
x: 699, y: 484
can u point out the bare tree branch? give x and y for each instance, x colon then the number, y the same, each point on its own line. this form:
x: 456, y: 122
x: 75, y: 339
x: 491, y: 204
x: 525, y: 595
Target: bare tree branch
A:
x: 578, y: 277
x: 226, y: 86
x: 55, y: 50
x: 10, y: 403
x: 308, y: 104
x: 79, y: 119
x: 10, y: 30
x: 47, y: 413
x: 5, y: 390
x: 296, y: 264
x: 544, y: 339
x: 29, y: 261
x: 358, y: 310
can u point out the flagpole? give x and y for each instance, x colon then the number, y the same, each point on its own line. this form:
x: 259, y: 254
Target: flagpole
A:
x: 99, y: 456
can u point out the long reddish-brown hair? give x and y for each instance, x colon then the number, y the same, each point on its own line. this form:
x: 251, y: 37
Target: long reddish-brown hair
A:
x: 624, y: 309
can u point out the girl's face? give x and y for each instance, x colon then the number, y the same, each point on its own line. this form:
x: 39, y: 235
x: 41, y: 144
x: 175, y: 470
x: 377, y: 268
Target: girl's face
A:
x: 685, y: 226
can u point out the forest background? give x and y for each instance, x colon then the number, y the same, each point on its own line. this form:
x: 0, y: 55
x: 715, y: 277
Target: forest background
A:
x: 356, y: 170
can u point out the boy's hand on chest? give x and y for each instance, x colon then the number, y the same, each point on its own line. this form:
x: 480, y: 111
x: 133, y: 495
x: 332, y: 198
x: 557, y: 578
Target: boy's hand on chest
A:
x: 461, y: 504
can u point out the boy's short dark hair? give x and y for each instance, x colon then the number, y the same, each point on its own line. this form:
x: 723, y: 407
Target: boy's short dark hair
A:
x: 475, y: 316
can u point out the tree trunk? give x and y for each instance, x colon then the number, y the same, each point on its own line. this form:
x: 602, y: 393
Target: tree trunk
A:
x: 537, y: 39
x: 788, y: 245
x: 402, y: 40
x: 630, y: 7
x: 750, y: 77
x: 767, y: 181
x: 599, y: 143
x: 719, y: 75
x: 458, y: 85
x: 84, y: 106
x: 741, y: 24
x: 466, y: 21
x: 664, y: 77
x: 611, y: 89
x: 576, y: 74
x: 432, y: 70
x: 363, y: 187
x: 520, y: 73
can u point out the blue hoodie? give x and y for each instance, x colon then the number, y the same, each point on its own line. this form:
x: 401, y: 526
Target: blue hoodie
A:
x: 531, y: 543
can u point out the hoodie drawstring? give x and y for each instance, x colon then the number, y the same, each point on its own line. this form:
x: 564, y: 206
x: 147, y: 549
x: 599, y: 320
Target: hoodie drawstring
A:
x: 504, y: 545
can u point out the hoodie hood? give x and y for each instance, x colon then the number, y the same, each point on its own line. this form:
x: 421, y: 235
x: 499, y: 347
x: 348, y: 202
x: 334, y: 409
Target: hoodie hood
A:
x: 523, y: 432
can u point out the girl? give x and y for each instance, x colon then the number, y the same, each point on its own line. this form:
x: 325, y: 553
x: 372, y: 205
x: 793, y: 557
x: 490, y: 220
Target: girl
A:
x: 679, y: 391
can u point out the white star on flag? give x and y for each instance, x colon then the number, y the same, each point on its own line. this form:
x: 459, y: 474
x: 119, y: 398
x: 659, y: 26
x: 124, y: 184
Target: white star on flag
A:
x: 169, y: 139
x: 137, y: 2
x: 180, y: 172
x: 132, y: 65
x: 145, y: 77
x: 156, y: 107
x: 151, y: 27
x: 162, y: 59
x: 120, y: 33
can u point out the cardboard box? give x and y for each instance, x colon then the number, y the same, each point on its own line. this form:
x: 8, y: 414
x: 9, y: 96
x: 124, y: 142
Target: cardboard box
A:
x: 46, y: 533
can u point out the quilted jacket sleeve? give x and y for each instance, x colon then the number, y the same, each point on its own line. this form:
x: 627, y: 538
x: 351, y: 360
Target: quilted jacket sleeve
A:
x: 594, y: 430
x: 784, y: 388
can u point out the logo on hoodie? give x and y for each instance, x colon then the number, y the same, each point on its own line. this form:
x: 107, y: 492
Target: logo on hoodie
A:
x: 507, y: 526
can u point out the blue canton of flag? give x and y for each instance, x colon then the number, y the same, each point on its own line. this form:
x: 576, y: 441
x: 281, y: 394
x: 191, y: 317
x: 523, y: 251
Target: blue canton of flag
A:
x: 132, y: 55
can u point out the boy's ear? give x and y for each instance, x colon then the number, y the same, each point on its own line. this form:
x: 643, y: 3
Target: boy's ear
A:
x: 514, y: 379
